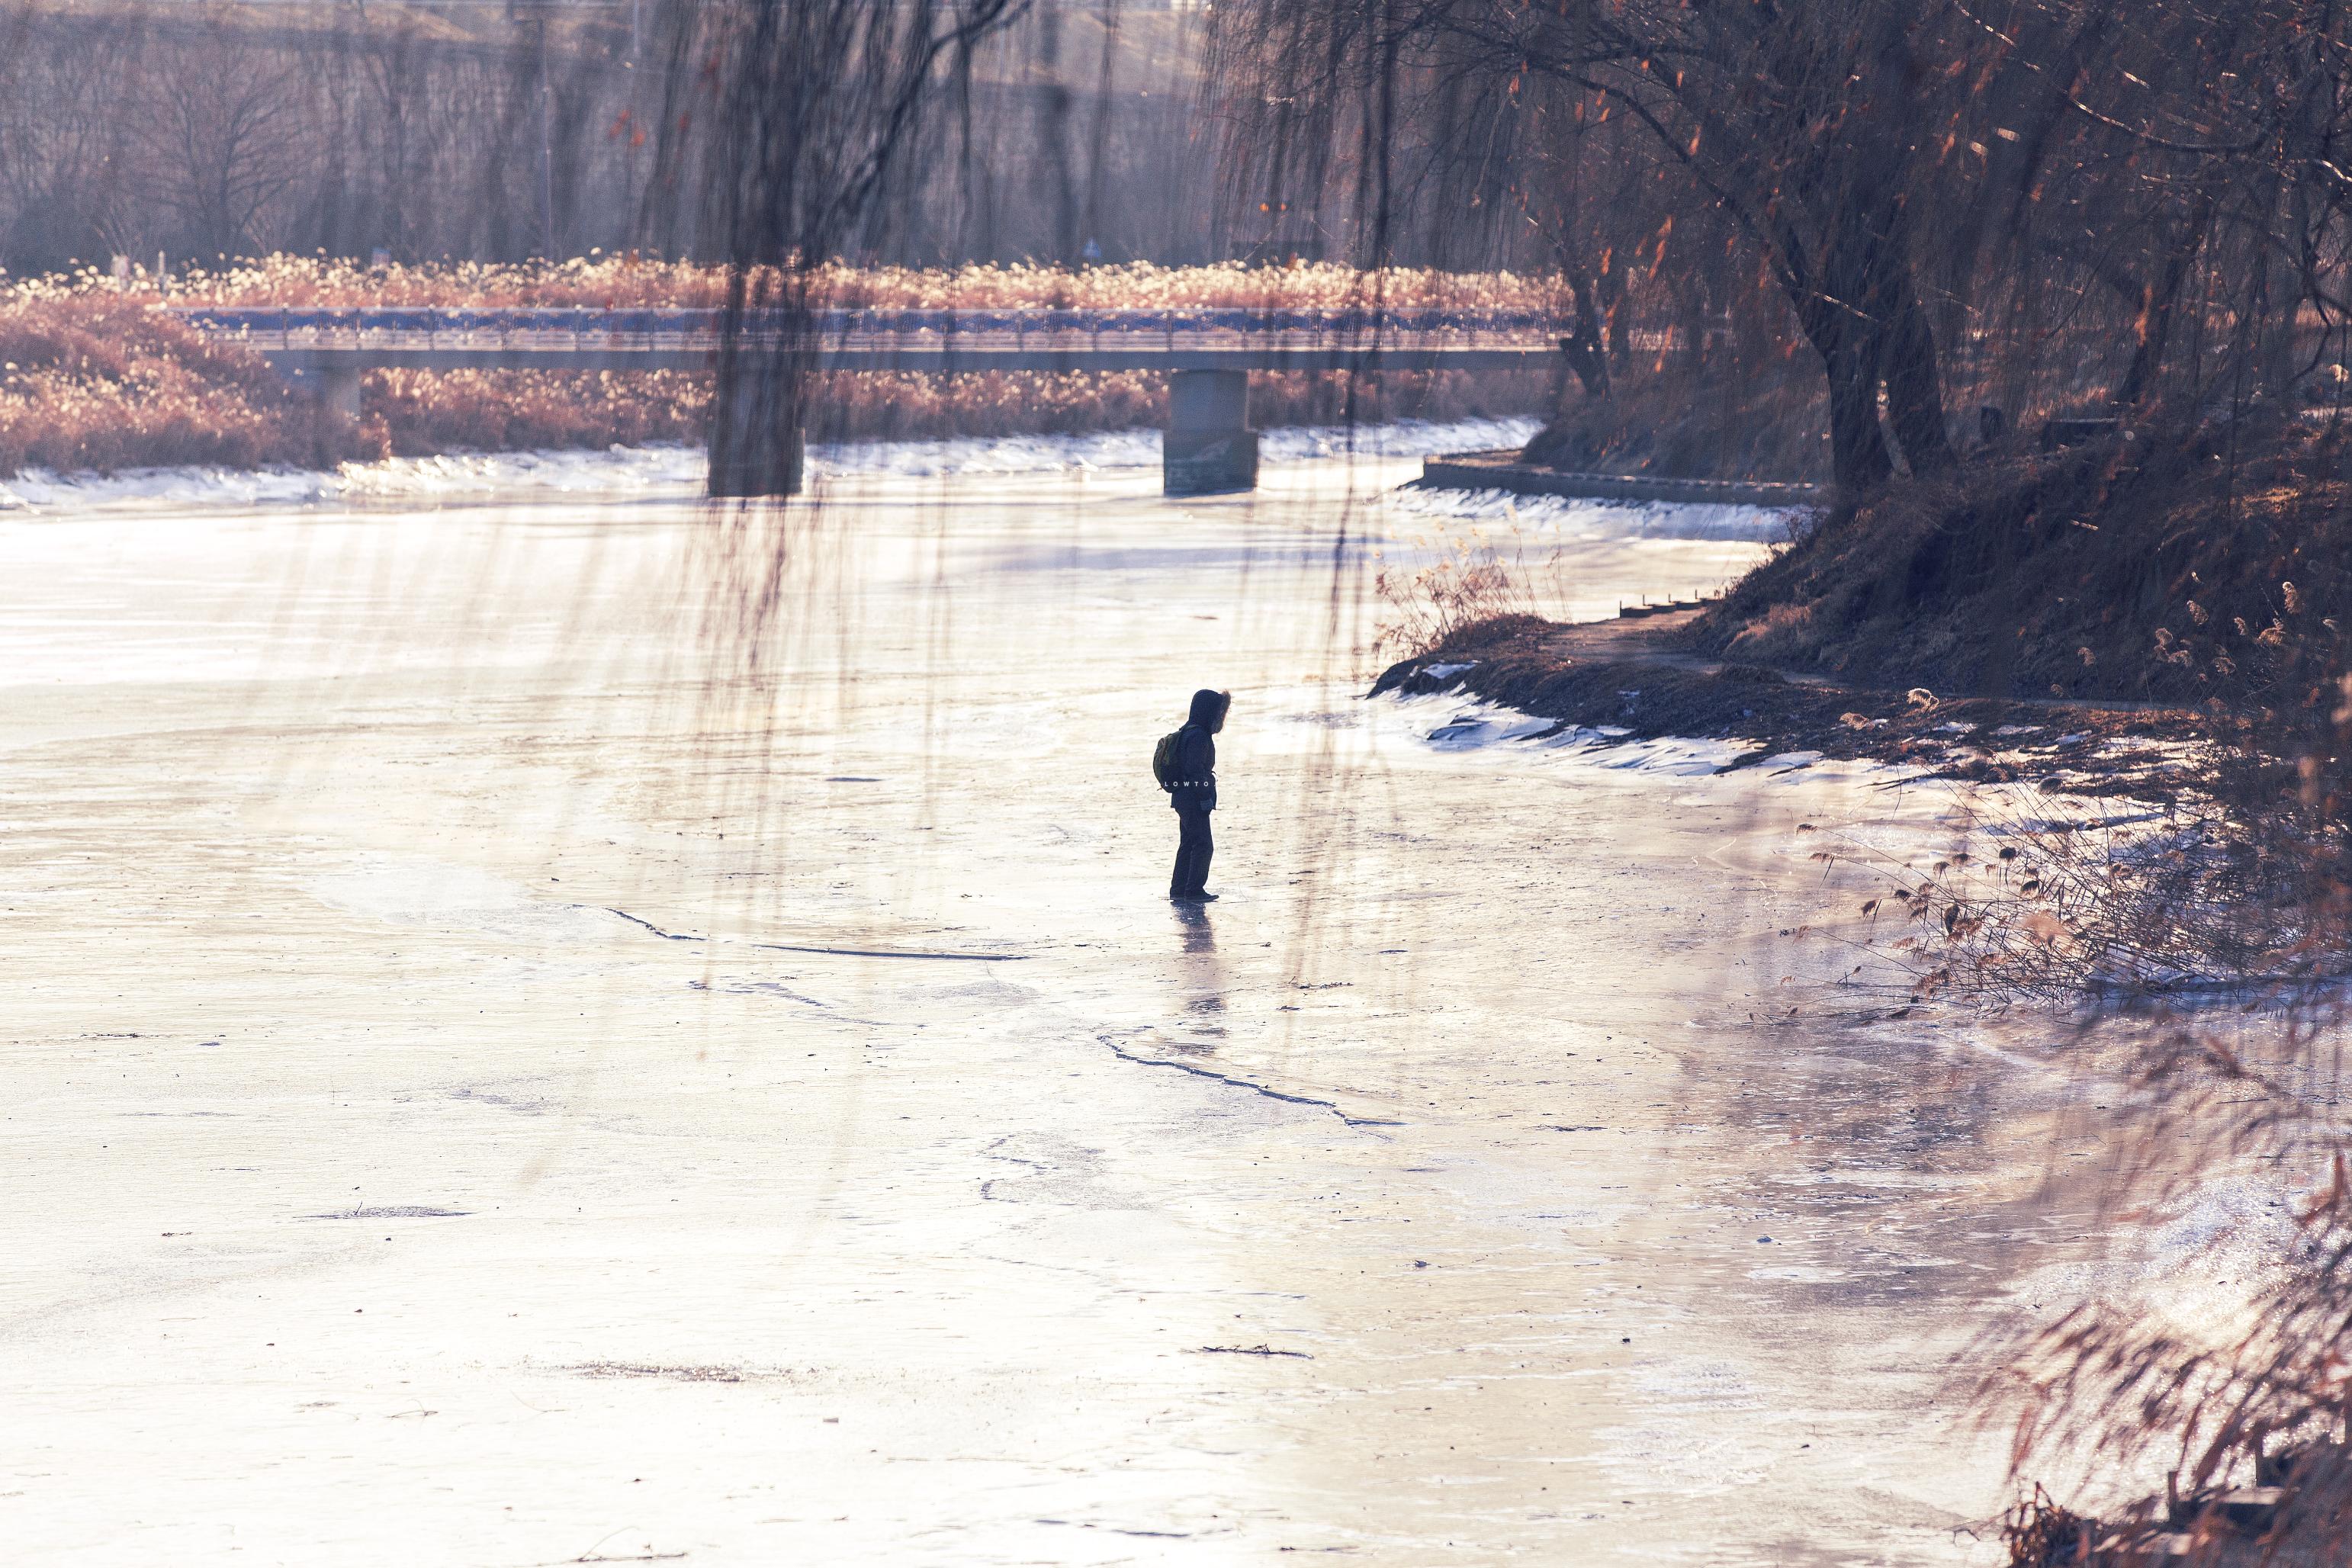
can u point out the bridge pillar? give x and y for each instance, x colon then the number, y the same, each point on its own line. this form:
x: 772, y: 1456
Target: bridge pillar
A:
x: 339, y: 390
x: 1208, y: 448
x: 331, y: 388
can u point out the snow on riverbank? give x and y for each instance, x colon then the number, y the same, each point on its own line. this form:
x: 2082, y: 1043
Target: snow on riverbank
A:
x: 632, y: 470
x: 1457, y: 723
x: 1560, y: 519
x: 1451, y: 723
x: 640, y: 471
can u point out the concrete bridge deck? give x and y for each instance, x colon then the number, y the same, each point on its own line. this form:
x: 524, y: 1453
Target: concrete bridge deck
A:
x: 929, y: 341
x: 1207, y: 353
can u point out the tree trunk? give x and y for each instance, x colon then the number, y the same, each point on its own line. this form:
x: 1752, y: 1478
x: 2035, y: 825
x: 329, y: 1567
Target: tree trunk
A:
x: 2155, y: 325
x: 1583, y: 348
x: 1614, y: 316
x: 1859, y: 459
x: 2283, y: 295
x: 1584, y: 351
x: 1847, y: 341
x: 1915, y: 390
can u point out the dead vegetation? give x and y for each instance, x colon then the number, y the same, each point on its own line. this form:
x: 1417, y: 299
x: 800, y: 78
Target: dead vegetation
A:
x: 94, y: 378
x: 2176, y: 561
x: 1722, y: 415
x: 1473, y: 587
x: 634, y: 279
x: 93, y: 382
x: 2054, y: 897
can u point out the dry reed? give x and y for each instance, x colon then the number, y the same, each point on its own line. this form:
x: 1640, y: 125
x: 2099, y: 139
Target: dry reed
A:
x: 95, y: 378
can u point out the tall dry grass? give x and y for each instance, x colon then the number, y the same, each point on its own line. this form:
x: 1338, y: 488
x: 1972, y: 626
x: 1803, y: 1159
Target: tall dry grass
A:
x: 89, y: 381
x: 93, y: 377
x: 424, y: 412
x: 601, y: 280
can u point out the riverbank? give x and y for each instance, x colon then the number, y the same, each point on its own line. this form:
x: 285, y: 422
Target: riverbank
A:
x: 1639, y: 678
x: 2156, y: 616
x: 2162, y: 585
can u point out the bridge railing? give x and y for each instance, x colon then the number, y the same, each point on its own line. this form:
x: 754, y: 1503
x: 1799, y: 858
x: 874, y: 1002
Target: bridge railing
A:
x: 621, y: 328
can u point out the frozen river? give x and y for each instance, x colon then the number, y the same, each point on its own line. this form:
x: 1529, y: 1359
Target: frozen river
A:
x: 898, y: 1178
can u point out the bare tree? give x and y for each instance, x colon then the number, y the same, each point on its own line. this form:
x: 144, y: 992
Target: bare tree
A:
x: 220, y: 132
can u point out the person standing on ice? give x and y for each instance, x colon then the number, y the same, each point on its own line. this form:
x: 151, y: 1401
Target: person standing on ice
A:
x: 1186, y: 763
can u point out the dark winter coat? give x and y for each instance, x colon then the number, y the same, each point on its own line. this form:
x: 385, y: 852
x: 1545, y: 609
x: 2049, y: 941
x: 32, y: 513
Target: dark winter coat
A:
x: 1196, y: 754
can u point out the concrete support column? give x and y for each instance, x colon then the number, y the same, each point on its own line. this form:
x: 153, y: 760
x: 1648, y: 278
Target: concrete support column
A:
x: 757, y: 445
x: 1209, y: 447
x: 331, y: 388
x: 326, y: 397
x: 339, y: 390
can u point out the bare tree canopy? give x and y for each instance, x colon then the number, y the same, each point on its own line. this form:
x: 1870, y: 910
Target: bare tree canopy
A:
x: 1935, y: 197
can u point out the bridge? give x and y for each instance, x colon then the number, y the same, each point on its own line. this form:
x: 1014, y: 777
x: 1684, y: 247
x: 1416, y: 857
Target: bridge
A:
x: 1207, y: 353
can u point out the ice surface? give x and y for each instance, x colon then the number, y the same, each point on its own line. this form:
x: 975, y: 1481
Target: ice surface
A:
x: 380, y: 1196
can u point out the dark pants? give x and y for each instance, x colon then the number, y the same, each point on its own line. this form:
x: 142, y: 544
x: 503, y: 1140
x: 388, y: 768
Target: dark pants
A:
x: 1192, y: 851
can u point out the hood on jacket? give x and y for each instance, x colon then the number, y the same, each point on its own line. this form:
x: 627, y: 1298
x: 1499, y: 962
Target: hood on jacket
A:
x: 1208, y: 709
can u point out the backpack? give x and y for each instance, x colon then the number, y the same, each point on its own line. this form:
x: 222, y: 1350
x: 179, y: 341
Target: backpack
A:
x: 1167, y: 757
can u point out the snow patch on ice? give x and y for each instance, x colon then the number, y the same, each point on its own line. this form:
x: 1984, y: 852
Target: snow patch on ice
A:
x: 1401, y: 438
x: 1562, y: 518
x: 2202, y: 1272
x: 617, y: 471
x: 1140, y: 448
x: 1446, y: 724
x: 991, y: 454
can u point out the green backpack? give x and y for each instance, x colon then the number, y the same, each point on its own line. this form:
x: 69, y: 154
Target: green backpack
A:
x: 1164, y: 757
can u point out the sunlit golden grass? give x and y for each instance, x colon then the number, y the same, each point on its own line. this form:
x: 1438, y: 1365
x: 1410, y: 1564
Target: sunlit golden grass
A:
x: 619, y: 280
x: 91, y: 381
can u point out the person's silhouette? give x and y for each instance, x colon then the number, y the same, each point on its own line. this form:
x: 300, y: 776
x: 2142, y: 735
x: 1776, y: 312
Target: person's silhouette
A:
x: 1193, y: 793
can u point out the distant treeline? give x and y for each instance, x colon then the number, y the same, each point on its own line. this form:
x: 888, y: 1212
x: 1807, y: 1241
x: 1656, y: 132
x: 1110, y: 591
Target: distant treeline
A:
x: 203, y: 133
